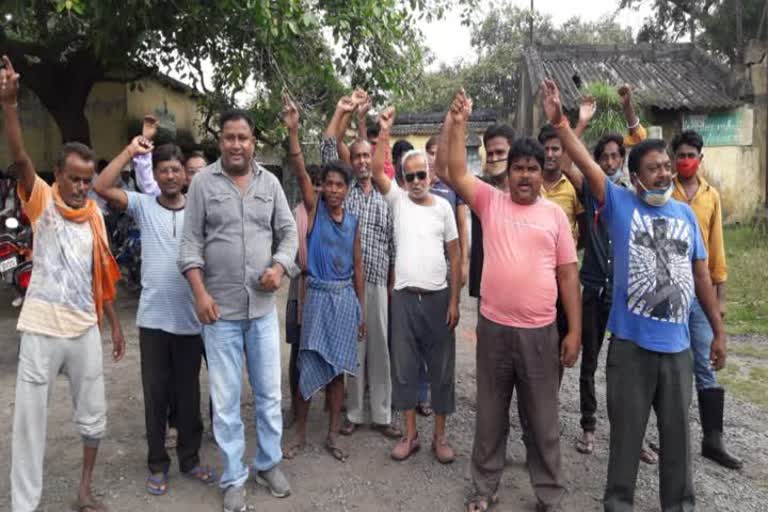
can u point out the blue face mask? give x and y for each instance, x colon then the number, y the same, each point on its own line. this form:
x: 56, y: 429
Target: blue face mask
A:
x: 654, y: 197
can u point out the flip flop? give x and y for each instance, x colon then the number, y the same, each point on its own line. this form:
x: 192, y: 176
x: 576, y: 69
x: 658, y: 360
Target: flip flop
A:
x: 336, y: 452
x: 348, y: 428
x: 202, y: 474
x: 157, y: 484
x: 585, y: 447
x: 388, y: 431
x: 293, y: 451
x: 89, y: 505
x: 649, y: 456
x: 481, y: 503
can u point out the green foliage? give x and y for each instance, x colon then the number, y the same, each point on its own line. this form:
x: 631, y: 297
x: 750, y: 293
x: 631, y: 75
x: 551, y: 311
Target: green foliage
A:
x: 306, y: 47
x: 714, y: 22
x: 499, y: 39
x: 609, y: 117
x: 747, y: 253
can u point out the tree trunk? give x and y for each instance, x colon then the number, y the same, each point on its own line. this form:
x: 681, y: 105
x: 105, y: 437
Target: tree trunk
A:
x: 62, y: 87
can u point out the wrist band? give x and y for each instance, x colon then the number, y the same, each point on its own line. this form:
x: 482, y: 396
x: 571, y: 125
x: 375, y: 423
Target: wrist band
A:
x: 562, y: 124
x: 637, y: 123
x: 298, y: 153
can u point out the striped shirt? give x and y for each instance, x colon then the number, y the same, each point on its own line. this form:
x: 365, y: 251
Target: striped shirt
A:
x: 166, y: 301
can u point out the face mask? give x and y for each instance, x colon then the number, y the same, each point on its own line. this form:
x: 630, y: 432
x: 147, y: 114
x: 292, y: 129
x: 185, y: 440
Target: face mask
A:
x: 687, y: 167
x: 654, y: 197
x: 496, y: 167
x: 616, y: 176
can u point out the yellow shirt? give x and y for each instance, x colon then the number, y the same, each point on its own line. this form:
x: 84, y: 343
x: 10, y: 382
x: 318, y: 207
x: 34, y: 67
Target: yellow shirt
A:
x: 639, y: 136
x: 565, y: 196
x: 706, y: 206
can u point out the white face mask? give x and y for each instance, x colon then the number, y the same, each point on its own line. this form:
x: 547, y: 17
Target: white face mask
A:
x: 654, y: 197
x: 616, y: 176
x: 496, y: 167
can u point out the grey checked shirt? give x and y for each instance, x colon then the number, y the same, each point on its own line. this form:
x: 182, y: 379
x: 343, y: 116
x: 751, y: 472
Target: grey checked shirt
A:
x: 375, y: 221
x: 229, y: 236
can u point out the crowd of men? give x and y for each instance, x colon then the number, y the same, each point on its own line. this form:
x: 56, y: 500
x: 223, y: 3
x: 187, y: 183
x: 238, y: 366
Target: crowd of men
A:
x: 377, y: 252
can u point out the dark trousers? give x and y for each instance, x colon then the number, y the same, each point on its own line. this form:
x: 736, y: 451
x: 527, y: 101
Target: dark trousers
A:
x: 639, y: 379
x: 526, y: 359
x: 594, y: 318
x: 170, y: 372
x: 562, y: 331
x: 419, y: 334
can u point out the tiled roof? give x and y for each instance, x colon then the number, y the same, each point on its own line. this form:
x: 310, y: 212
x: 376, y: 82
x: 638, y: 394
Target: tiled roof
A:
x: 429, y: 123
x: 666, y: 76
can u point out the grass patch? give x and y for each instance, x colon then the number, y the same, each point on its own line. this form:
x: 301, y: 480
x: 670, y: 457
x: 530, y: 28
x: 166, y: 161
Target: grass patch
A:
x: 747, y: 255
x: 748, y: 350
x: 748, y: 383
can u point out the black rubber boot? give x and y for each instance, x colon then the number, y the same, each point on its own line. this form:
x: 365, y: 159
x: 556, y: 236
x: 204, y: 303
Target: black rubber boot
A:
x: 711, y: 404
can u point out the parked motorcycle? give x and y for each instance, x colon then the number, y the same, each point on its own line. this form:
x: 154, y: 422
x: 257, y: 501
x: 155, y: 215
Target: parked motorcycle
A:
x: 126, y: 246
x: 16, y: 258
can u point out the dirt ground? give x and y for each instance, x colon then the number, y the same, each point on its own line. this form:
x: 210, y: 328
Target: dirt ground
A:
x: 369, y: 480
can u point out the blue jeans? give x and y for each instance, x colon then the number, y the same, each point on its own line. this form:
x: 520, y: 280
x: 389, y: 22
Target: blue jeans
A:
x: 701, y: 342
x: 226, y: 341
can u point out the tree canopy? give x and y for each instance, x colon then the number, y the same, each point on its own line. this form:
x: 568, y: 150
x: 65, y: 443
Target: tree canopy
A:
x: 714, y: 22
x: 498, y: 39
x: 309, y: 48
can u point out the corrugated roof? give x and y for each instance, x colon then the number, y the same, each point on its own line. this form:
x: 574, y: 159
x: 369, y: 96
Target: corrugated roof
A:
x: 429, y: 123
x: 666, y: 76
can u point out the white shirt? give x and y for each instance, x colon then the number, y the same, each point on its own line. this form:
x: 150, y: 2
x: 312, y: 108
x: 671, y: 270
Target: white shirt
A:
x: 421, y: 232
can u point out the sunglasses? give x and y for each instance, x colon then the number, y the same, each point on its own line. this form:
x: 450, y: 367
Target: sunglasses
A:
x: 421, y: 175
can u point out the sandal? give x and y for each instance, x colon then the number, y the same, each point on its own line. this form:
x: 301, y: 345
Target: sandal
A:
x: 202, y: 474
x: 89, y: 505
x: 336, y: 452
x: 481, y: 503
x: 388, y: 431
x: 405, y: 448
x: 348, y: 428
x: 293, y: 451
x: 157, y: 484
x: 648, y: 456
x: 585, y: 444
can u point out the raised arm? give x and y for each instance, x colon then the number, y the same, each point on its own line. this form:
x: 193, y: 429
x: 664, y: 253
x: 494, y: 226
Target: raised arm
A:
x: 550, y: 96
x: 291, y: 121
x: 441, y: 158
x: 380, y: 178
x: 142, y: 163
x: 106, y: 183
x: 335, y: 128
x: 463, y: 183
x: 9, y: 94
x: 633, y: 122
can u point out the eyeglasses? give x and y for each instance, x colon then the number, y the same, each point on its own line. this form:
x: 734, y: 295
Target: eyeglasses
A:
x: 411, y: 176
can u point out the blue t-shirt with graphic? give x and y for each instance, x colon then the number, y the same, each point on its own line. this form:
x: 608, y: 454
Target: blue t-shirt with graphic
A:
x: 653, y: 251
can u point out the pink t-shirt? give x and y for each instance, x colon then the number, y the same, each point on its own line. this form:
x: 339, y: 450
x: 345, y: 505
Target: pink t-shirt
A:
x: 523, y: 247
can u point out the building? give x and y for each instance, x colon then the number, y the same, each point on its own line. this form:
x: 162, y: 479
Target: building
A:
x: 678, y: 87
x: 114, y: 111
x: 418, y: 128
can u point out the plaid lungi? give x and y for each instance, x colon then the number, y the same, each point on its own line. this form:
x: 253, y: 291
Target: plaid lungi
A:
x: 328, y: 334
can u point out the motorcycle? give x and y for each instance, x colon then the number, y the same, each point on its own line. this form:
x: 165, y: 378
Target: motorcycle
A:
x: 126, y: 243
x: 16, y: 258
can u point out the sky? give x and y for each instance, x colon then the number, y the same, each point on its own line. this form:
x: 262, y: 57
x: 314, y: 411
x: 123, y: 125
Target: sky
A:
x: 449, y: 40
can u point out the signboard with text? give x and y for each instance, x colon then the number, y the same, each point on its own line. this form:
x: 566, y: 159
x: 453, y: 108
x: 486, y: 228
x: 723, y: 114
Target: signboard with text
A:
x: 728, y: 128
